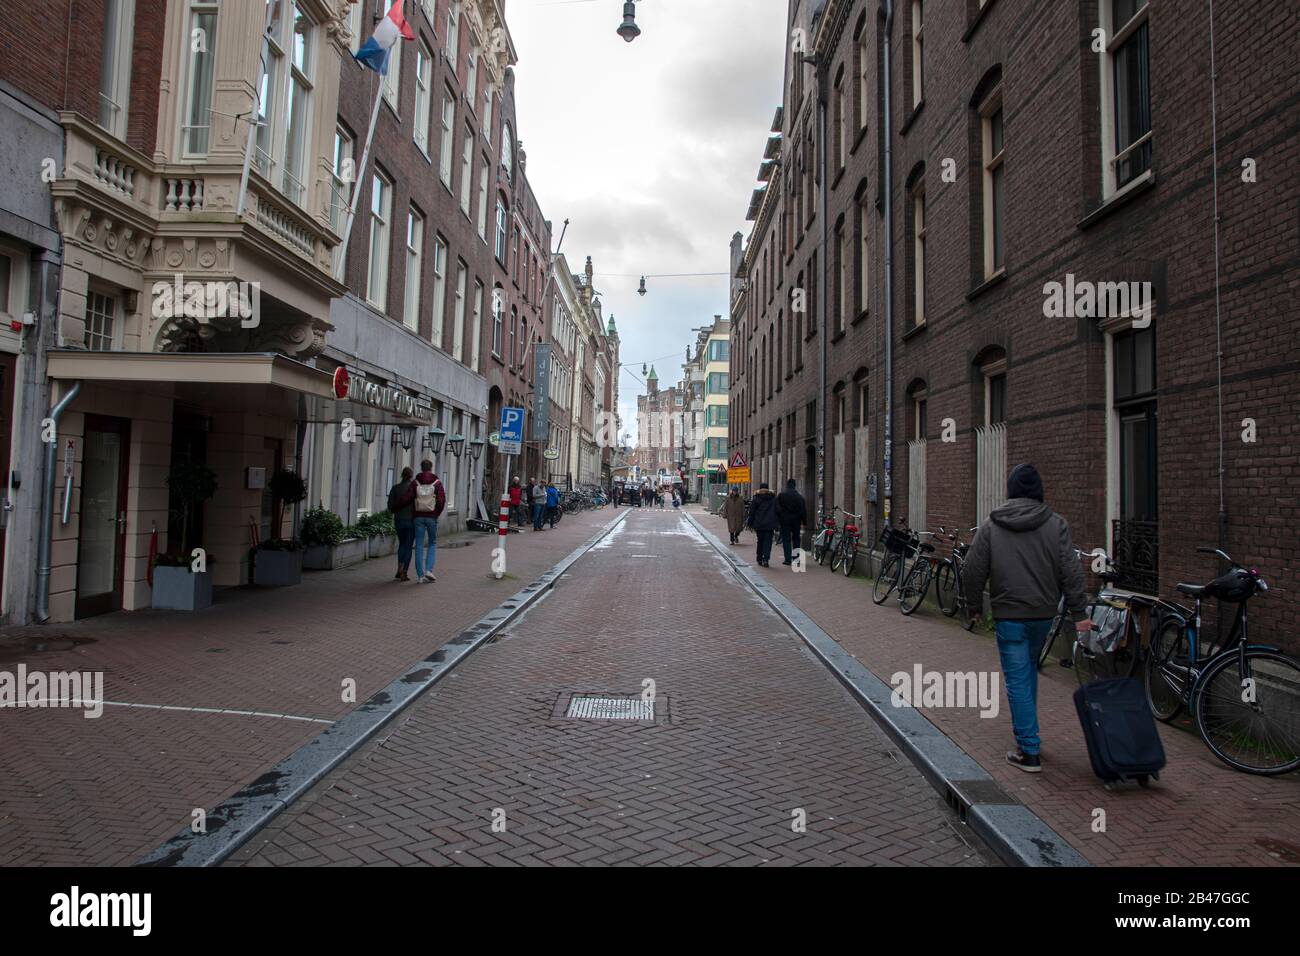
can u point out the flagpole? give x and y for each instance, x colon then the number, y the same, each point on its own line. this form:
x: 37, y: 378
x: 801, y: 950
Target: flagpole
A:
x: 357, y: 181
x: 254, y: 123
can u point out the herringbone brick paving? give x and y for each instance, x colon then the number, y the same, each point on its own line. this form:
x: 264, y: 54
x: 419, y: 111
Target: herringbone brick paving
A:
x: 106, y: 791
x: 757, y: 729
x: 1199, y: 813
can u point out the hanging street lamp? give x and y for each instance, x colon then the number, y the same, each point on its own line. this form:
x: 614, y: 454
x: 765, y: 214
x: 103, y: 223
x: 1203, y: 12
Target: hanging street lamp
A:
x: 628, y: 30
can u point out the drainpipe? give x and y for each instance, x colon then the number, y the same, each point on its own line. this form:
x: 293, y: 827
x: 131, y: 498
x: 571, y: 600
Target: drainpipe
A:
x: 888, y: 7
x: 47, y: 510
x: 823, y: 72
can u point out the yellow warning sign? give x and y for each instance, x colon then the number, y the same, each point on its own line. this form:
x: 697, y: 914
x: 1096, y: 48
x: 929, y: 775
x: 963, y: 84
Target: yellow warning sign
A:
x: 738, y: 476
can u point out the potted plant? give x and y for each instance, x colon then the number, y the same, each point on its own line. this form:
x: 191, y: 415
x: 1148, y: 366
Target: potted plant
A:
x: 180, y: 581
x: 379, y: 532
x: 328, y: 543
x: 278, y: 561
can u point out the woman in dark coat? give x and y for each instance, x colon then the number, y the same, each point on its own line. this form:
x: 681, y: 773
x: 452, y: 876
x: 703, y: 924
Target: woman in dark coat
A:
x: 734, y: 509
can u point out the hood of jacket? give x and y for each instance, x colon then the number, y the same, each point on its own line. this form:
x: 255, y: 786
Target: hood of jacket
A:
x: 426, y: 477
x: 1021, y: 514
x: 764, y: 491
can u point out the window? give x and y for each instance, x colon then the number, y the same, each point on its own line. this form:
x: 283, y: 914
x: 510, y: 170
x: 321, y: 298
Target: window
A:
x: 717, y: 415
x: 284, y: 102
x: 918, y: 255
x: 423, y: 73
x: 445, y: 147
x: 501, y: 232
x: 392, y: 81
x: 840, y: 121
x: 514, y: 256
x: 514, y: 334
x: 453, y: 35
x: 995, y: 392
x: 864, y: 264
x: 11, y: 305
x: 439, y: 289
x: 478, y: 325
x: 508, y: 153
x: 498, y: 318
x: 381, y: 204
x: 466, y: 169
x: 458, y: 331
x: 202, y: 37
x: 471, y: 78
x: 115, y: 71
x: 717, y: 448
x: 341, y: 178
x: 994, y: 186
x: 919, y: 414
x: 489, y: 95
x: 482, y: 199
x: 414, y: 263
x: 717, y: 383
x: 864, y: 81
x: 1125, y: 93
x: 101, y: 321
x: 354, y: 25
x: 918, y: 52
x: 719, y: 350
x: 845, y: 276
x: 1135, y: 534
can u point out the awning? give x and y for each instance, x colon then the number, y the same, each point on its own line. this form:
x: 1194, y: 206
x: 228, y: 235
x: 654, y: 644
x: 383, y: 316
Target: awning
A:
x: 201, y: 377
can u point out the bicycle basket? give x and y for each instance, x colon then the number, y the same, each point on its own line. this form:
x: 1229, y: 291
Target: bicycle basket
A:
x: 896, y: 541
x: 1235, y: 586
x: 1108, y: 627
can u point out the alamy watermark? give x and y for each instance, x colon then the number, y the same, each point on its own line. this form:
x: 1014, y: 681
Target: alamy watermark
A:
x: 25, y: 688
x: 1098, y: 300
x: 208, y: 300
x: 922, y: 688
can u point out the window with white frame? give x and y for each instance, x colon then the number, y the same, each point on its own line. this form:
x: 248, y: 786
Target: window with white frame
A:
x: 864, y: 256
x: 13, y: 270
x: 845, y: 263
x: 115, y: 69
x: 514, y: 333
x: 471, y: 77
x: 477, y: 331
x: 458, y: 330
x: 423, y: 95
x: 994, y: 183
x: 101, y: 321
x: 445, y: 147
x: 200, y: 60
x: 864, y: 77
x: 414, y: 264
x: 501, y: 233
x: 285, y: 101
x: 918, y: 52
x: 381, y: 207
x: 1125, y: 93
x: 918, y: 254
x: 483, y: 199
x: 489, y: 97
x: 439, y: 289
x: 354, y: 25
x: 498, y: 318
x: 841, y: 121
x: 466, y: 169
x: 453, y: 35
x: 341, y: 178
x: 392, y: 82
x: 995, y: 391
x: 508, y: 152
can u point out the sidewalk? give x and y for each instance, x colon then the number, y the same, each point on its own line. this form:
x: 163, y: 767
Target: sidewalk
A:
x: 1199, y: 813
x: 77, y: 791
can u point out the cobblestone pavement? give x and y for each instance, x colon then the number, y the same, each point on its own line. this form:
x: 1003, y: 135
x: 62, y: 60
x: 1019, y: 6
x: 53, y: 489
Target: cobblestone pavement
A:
x: 75, y: 791
x: 749, y: 735
x: 1199, y: 813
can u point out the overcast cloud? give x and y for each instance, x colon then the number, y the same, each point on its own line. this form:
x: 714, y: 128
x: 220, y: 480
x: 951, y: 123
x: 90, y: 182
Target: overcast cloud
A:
x: 650, y: 149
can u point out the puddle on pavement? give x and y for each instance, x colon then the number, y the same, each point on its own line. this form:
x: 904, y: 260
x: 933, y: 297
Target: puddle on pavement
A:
x: 20, y: 648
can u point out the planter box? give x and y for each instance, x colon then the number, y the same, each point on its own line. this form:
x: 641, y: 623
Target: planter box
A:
x: 326, y: 557
x: 180, y: 589
x: 277, y: 569
x: 381, y: 546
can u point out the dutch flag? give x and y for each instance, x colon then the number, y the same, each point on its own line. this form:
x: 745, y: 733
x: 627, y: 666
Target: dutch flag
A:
x: 374, y: 52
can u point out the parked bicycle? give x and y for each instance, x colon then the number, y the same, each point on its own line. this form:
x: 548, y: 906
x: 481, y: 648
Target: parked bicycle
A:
x: 917, y: 580
x: 949, y: 588
x: 898, y: 547
x: 1244, y: 698
x: 844, y: 551
x: 821, y: 544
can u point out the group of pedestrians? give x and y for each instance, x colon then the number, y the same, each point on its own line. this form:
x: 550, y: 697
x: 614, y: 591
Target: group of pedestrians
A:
x: 539, y: 502
x: 766, y: 514
x: 647, y: 496
x: 416, y: 502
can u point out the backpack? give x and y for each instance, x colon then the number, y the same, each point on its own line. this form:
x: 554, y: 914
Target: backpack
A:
x: 426, y: 497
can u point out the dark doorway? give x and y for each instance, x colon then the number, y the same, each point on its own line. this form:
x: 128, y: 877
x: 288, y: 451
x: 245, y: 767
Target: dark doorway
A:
x: 189, y: 443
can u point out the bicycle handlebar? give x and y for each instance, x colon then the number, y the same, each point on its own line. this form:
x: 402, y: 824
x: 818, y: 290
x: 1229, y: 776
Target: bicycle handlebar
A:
x: 1221, y: 554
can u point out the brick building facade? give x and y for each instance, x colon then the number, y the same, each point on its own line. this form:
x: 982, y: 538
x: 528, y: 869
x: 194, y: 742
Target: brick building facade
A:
x: 1023, y: 157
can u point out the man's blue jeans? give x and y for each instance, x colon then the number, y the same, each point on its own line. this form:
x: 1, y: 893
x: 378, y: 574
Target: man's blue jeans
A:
x: 1019, y: 643
x: 539, y: 509
x: 425, y: 554
x: 405, y: 541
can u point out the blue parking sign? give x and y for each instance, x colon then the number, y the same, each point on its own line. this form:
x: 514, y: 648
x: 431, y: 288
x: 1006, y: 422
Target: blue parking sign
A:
x: 512, y: 431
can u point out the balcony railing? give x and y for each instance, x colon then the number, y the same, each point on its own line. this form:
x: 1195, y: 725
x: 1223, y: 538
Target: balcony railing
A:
x: 1137, y: 554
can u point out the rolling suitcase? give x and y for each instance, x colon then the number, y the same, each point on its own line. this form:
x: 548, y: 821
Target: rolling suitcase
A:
x: 1123, y: 742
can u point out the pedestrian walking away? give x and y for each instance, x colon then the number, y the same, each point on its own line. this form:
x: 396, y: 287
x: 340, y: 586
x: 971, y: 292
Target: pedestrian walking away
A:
x: 792, y: 511
x: 763, y: 519
x: 401, y: 504
x: 1025, y: 553
x: 516, y: 502
x: 552, y: 501
x: 538, y: 503
x: 430, y: 499
x: 734, y: 509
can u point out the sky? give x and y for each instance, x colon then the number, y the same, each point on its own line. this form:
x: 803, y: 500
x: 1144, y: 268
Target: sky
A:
x: 650, y: 149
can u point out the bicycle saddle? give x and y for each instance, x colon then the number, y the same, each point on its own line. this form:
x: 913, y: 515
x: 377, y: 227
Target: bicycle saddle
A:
x: 1191, y: 590
x: 927, y: 546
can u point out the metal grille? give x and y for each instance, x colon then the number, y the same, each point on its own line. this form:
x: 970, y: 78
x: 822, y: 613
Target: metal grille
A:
x: 1137, y: 554
x: 611, y: 708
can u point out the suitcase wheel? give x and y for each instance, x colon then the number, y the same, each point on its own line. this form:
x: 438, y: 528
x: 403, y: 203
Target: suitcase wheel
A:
x: 1144, y: 780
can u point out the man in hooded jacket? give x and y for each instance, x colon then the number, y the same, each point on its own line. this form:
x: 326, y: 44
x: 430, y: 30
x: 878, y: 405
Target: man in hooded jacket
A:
x: 792, y: 511
x: 763, y: 519
x: 1025, y: 553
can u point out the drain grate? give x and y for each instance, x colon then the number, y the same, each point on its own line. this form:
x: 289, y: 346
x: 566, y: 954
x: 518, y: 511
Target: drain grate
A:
x: 611, y: 708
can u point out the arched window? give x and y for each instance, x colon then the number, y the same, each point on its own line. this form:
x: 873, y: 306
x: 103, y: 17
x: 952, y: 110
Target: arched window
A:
x: 508, y: 152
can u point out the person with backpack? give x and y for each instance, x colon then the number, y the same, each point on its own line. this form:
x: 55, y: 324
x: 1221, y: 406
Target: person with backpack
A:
x: 1025, y: 553
x: 552, y: 501
x: 401, y: 505
x: 430, y: 499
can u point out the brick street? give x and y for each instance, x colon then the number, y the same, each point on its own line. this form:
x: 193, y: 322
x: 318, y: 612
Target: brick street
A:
x: 749, y: 731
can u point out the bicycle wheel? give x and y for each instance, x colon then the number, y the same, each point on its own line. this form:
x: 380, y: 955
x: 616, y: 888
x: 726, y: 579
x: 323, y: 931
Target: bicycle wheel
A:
x: 1058, y: 626
x: 837, y: 558
x: 886, y: 578
x: 1248, y: 713
x: 917, y: 582
x: 827, y: 548
x: 818, y: 547
x: 945, y: 587
x: 850, y: 556
x: 1165, y: 670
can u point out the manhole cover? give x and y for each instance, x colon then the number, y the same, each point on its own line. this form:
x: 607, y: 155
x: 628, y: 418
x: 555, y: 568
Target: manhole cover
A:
x: 611, y: 708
